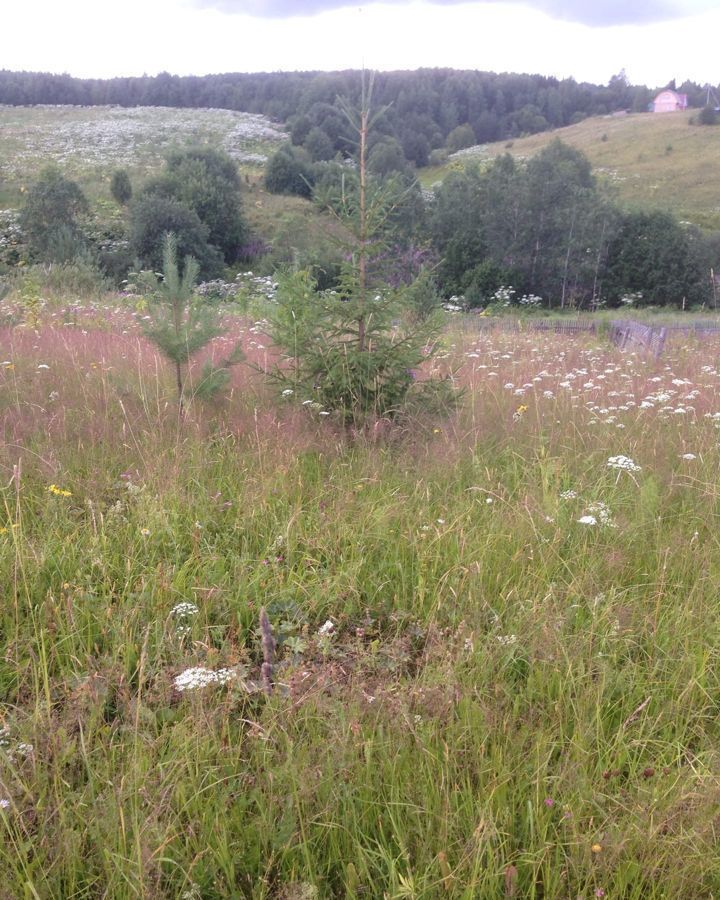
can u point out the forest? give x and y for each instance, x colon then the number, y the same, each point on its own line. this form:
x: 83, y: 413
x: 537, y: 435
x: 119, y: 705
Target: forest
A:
x: 423, y: 107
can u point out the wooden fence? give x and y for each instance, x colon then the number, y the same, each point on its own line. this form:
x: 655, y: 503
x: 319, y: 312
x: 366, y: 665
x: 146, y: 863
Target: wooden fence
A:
x: 558, y: 326
x: 625, y: 333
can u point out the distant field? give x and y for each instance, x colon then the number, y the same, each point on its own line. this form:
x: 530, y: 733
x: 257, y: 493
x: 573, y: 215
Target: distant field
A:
x: 657, y: 161
x: 88, y: 143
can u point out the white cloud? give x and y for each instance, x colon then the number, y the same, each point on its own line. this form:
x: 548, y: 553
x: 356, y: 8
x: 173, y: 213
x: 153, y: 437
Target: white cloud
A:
x: 90, y: 39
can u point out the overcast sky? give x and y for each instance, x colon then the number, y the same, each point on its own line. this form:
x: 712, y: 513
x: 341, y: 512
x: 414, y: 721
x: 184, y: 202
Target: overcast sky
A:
x: 653, y: 40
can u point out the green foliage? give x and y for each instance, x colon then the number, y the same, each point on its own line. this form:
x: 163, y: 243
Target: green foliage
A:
x: 461, y: 137
x: 318, y: 145
x: 206, y: 182
x: 354, y: 358
x: 483, y: 281
x: 708, y: 115
x: 51, y: 217
x: 546, y: 221
x: 345, y: 352
x: 290, y: 171
x: 78, y: 278
x: 153, y: 216
x: 387, y: 158
x: 655, y: 255
x: 180, y: 326
x: 422, y: 298
x: 31, y: 300
x: 120, y: 186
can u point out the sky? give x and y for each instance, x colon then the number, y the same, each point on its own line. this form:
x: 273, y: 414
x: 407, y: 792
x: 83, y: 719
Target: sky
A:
x: 589, y: 40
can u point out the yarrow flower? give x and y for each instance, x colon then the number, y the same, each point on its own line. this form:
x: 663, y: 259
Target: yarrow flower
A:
x: 184, y: 609
x: 199, y: 677
x: 623, y: 462
x: 602, y: 511
x: 587, y: 520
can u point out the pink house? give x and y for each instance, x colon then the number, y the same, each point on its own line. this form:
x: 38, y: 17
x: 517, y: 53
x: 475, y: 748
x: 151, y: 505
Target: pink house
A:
x: 669, y: 101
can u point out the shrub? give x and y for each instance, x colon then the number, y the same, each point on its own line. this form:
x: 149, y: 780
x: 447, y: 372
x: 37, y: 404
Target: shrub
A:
x: 708, y: 116
x: 206, y: 181
x: 120, y: 186
x: 460, y: 138
x: 152, y: 217
x: 289, y: 171
x: 50, y: 219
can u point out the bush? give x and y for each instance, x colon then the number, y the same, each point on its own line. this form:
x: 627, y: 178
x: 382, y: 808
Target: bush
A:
x: 206, y: 181
x: 460, y: 138
x: 152, y: 217
x: 318, y: 145
x: 438, y: 157
x: 120, y: 186
x: 50, y: 218
x: 289, y: 171
x: 483, y: 282
x: 708, y: 116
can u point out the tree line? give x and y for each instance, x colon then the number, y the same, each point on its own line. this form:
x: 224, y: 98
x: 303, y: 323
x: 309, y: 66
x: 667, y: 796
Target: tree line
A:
x: 425, y: 110
x: 541, y: 232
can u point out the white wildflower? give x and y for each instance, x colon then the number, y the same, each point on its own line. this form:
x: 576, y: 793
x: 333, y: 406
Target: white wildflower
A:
x: 327, y: 628
x: 623, y: 462
x: 587, y: 520
x: 200, y: 677
x: 184, y: 609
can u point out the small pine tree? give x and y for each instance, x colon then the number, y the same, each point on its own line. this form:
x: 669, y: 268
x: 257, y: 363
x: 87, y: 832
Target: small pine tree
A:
x: 180, y: 326
x: 347, y: 350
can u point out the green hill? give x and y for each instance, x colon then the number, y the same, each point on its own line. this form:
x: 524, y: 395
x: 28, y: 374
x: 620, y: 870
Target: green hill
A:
x: 658, y: 161
x: 88, y: 143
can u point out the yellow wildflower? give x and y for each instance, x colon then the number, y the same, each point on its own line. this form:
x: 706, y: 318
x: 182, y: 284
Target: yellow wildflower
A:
x: 596, y: 848
x: 58, y: 491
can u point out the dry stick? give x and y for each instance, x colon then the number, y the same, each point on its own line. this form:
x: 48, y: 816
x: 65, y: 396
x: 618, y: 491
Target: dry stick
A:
x: 268, y: 648
x: 633, y: 715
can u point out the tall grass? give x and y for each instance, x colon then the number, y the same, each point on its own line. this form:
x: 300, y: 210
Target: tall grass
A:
x: 474, y: 694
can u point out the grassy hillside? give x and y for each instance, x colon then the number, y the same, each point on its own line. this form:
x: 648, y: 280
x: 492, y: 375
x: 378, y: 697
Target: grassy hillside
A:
x: 88, y: 143
x: 657, y: 161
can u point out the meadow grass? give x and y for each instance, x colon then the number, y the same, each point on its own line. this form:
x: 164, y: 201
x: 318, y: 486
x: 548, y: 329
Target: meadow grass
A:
x: 505, y: 702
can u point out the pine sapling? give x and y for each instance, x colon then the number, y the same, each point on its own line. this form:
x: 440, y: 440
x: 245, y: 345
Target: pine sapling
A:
x: 181, y: 325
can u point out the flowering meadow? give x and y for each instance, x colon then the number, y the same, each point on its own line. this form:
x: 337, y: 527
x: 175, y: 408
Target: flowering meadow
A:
x: 98, y: 139
x: 497, y: 663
